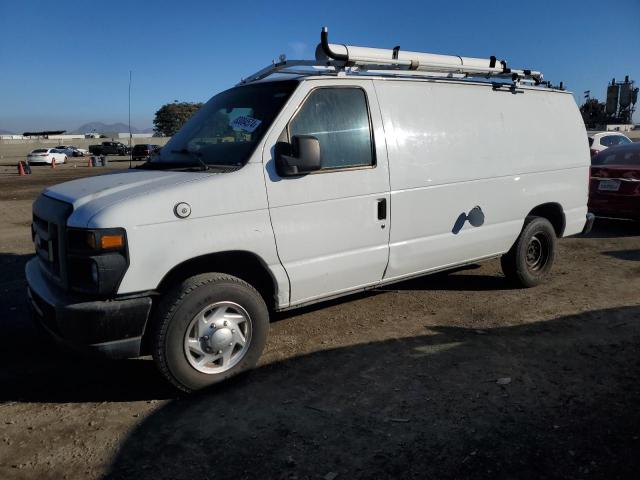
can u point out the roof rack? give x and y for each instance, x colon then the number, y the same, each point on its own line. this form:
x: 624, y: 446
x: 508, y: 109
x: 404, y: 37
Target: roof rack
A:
x: 338, y: 59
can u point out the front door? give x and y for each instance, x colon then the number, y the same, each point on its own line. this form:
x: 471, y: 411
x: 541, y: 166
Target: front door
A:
x: 332, y: 226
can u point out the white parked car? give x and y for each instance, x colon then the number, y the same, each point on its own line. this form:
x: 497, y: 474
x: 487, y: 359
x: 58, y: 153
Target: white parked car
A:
x: 603, y: 140
x: 280, y: 193
x: 46, y: 156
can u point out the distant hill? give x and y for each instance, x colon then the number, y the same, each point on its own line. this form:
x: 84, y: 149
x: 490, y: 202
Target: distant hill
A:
x: 7, y: 132
x: 100, y: 127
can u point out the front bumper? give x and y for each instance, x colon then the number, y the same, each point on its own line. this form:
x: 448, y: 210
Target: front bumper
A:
x: 113, y: 328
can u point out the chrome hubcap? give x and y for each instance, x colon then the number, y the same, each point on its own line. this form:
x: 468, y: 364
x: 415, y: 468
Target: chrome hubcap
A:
x: 218, y: 337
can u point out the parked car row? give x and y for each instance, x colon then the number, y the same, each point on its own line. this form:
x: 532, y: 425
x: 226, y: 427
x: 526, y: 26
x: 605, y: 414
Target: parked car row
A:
x: 62, y: 152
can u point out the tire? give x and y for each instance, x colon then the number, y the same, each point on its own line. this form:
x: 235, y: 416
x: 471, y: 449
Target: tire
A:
x: 530, y: 259
x: 211, y: 302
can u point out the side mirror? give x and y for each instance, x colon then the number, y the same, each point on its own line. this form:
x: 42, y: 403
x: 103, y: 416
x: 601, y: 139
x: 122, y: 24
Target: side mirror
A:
x: 302, y: 157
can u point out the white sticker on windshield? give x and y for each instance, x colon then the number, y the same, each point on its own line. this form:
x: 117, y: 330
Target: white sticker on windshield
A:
x: 245, y: 123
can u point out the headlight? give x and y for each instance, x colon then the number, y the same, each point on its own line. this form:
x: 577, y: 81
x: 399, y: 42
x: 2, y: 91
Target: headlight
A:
x: 97, y: 259
x: 97, y: 239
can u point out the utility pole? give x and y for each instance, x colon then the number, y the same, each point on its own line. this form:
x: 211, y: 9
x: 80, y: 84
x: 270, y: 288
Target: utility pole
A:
x: 130, y: 148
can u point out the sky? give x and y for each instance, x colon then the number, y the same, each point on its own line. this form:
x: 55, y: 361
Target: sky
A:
x: 64, y: 63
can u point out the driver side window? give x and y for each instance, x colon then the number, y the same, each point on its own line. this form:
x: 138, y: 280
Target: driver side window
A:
x: 339, y: 118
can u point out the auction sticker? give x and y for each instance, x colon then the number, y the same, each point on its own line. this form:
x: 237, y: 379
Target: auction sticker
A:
x: 245, y: 123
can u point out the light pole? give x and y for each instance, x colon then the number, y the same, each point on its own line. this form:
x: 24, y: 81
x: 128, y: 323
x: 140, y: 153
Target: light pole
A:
x: 130, y: 149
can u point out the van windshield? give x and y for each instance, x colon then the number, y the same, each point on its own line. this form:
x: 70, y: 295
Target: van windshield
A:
x: 225, y: 131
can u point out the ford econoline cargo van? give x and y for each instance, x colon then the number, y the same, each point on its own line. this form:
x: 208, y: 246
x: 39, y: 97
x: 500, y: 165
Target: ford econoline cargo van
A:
x: 358, y: 169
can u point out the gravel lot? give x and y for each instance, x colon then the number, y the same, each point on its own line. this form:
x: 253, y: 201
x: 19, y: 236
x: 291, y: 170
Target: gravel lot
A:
x: 449, y: 376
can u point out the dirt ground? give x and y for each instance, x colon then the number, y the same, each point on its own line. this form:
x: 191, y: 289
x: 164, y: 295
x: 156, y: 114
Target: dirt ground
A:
x: 448, y: 376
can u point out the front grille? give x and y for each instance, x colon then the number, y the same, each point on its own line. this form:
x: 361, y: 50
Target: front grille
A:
x: 46, y: 240
x: 49, y: 237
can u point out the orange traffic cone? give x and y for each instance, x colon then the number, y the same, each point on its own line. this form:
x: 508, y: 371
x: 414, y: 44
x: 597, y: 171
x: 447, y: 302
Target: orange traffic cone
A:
x: 21, y: 169
x: 53, y: 162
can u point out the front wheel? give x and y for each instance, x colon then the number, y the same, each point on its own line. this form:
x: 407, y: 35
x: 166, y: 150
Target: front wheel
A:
x: 530, y: 259
x: 209, y: 328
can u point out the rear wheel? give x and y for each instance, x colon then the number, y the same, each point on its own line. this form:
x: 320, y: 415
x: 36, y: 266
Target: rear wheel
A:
x: 209, y: 328
x: 529, y: 261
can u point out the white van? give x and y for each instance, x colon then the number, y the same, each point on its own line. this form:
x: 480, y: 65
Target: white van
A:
x: 359, y: 169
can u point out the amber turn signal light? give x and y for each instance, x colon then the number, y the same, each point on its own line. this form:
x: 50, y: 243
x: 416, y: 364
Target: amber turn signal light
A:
x: 111, y: 241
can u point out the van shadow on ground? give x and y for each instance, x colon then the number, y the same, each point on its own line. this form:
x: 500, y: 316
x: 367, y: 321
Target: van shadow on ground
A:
x: 632, y: 255
x: 35, y: 369
x: 459, y: 282
x: 424, y: 407
x: 14, y: 323
x: 611, y: 228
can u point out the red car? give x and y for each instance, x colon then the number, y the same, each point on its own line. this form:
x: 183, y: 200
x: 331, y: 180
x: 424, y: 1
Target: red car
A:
x: 614, y: 188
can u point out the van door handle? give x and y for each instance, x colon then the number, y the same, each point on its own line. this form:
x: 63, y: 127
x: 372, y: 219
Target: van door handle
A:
x: 382, y: 209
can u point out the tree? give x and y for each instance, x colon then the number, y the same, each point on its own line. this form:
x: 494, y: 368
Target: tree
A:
x: 172, y: 116
x: 217, y: 125
x: 593, y: 113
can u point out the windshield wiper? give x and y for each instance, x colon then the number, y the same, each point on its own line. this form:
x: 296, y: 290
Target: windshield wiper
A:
x: 196, y: 155
x: 224, y: 165
x: 160, y: 166
x: 173, y: 165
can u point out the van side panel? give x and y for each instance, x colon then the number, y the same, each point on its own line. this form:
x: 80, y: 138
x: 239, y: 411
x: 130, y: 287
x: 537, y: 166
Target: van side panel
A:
x: 453, y: 147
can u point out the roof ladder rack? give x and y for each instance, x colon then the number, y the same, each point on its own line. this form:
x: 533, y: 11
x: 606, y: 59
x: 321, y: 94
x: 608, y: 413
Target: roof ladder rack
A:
x: 396, y: 59
x: 334, y: 59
